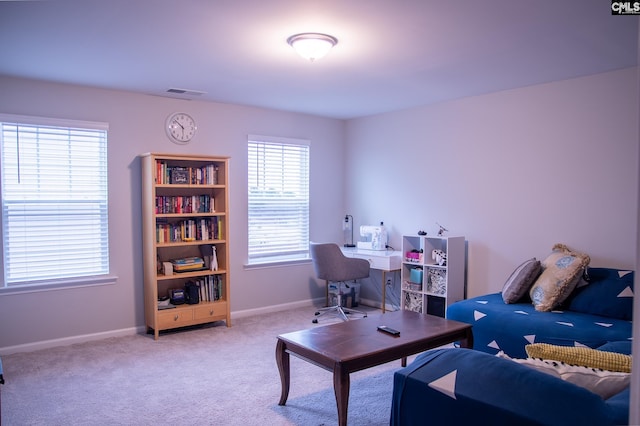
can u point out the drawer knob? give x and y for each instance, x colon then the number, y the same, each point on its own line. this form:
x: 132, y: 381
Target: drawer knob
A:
x: 175, y: 318
x: 211, y: 312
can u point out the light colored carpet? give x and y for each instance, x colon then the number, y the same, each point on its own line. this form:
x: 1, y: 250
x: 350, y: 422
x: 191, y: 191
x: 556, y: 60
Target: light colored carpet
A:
x: 212, y: 375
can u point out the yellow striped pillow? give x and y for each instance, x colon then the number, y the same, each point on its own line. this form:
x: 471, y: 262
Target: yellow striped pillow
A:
x: 611, y: 361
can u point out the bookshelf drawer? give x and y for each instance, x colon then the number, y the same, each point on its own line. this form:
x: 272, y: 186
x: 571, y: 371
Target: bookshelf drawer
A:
x: 211, y: 310
x: 174, y: 318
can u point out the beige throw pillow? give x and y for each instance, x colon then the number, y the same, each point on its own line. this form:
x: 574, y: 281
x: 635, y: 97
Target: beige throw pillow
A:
x: 561, y: 271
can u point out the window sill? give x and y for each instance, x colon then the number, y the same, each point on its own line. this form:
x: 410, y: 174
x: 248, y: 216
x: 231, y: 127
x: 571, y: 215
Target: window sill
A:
x: 59, y: 285
x: 277, y: 263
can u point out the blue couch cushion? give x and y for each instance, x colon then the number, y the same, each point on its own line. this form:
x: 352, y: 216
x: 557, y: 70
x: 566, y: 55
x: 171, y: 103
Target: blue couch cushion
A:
x: 462, y: 386
x: 509, y: 327
x: 609, y: 293
x: 621, y: 347
x: 619, y: 405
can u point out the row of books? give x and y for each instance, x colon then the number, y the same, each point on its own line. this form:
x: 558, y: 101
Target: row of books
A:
x: 203, y: 229
x: 188, y: 264
x: 185, y: 204
x: 210, y: 288
x: 205, y: 175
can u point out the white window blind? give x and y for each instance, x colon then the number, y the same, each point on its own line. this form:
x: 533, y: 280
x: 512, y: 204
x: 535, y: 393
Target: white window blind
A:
x: 278, y: 172
x: 54, y: 200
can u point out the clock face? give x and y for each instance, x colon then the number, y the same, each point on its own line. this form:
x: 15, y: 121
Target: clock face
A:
x: 180, y: 127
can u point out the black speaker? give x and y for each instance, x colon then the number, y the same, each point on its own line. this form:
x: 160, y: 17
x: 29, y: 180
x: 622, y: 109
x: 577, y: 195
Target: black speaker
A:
x: 192, y: 293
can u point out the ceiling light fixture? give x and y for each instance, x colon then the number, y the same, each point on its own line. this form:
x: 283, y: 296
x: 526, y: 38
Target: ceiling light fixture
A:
x: 312, y: 46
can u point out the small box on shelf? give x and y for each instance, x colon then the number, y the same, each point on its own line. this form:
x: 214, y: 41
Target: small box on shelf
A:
x: 416, y: 275
x: 413, y: 302
x: 411, y: 286
x: 436, y: 306
x: 413, y: 256
x: 437, y: 281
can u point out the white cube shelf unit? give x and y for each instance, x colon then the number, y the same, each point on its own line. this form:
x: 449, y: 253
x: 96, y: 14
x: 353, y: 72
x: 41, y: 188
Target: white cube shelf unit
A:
x: 429, y: 285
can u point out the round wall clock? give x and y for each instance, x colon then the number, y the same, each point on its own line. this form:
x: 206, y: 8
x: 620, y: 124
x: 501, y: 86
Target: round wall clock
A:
x: 180, y: 127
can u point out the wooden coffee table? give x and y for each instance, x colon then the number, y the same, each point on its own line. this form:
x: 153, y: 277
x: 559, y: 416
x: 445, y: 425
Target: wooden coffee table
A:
x: 354, y: 345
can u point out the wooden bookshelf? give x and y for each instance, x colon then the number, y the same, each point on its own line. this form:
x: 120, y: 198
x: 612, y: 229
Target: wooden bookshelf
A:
x: 185, y: 202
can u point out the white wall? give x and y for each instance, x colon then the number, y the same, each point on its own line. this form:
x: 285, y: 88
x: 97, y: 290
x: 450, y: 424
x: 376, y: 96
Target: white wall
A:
x: 137, y: 126
x: 514, y: 172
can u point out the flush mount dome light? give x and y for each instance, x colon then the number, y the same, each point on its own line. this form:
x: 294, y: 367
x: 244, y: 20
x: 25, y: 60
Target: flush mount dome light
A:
x: 312, y: 46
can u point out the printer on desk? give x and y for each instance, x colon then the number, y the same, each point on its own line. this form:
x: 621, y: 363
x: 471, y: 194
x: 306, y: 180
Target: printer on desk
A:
x: 375, y: 237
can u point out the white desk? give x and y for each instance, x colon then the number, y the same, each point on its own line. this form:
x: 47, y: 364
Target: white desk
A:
x: 382, y: 260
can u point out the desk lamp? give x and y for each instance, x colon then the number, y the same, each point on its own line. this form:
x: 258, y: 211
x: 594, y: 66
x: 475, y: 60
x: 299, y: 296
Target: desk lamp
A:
x: 347, y: 230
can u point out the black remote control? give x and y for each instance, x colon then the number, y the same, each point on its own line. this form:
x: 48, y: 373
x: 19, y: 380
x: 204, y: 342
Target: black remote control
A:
x: 389, y: 330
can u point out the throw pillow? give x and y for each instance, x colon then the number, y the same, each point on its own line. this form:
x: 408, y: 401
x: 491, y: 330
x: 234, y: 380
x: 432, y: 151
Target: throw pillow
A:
x: 586, y: 357
x: 561, y: 271
x: 601, y: 382
x: 521, y: 280
x: 609, y: 293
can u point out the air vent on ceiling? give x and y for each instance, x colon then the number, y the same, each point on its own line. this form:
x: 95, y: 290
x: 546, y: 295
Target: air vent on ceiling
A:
x: 185, y: 92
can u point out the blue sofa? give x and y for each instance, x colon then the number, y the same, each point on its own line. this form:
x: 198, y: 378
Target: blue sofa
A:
x: 464, y: 386
x: 593, y: 315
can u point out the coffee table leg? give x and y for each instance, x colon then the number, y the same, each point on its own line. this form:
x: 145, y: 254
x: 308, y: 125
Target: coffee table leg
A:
x: 282, y: 359
x: 341, y: 383
x: 467, y: 342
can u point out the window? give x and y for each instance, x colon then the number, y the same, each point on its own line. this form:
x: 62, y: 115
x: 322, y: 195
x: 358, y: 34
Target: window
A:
x: 54, y: 201
x: 278, y: 199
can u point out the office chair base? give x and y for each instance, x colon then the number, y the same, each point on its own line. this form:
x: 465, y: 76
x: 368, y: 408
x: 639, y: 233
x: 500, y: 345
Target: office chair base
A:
x: 340, y: 311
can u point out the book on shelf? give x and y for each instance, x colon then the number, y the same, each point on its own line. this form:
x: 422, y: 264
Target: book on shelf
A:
x: 203, y: 175
x: 188, y: 261
x: 188, y: 268
x: 179, y: 175
x: 187, y: 264
x: 185, y: 204
x: 202, y: 229
x: 163, y: 307
x: 210, y: 288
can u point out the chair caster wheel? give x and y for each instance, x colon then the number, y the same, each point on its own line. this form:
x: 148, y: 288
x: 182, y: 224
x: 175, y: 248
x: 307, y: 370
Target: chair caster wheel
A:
x: 364, y: 316
x: 315, y: 321
x: 318, y: 313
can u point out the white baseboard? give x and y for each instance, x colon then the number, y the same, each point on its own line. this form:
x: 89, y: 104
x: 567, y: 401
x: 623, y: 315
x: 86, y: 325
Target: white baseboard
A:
x: 319, y: 302
x: 46, y: 344
x: 377, y: 304
x: 277, y: 308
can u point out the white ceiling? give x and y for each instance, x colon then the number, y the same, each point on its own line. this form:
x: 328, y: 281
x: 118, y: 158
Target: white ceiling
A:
x: 392, y: 54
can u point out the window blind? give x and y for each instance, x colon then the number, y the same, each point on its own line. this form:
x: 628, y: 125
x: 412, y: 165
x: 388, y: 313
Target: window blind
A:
x: 278, y: 175
x: 54, y: 200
